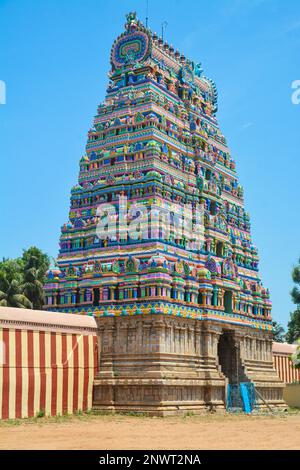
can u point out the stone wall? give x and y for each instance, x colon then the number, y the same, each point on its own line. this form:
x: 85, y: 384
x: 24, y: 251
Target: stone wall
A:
x: 282, y: 353
x: 292, y: 395
x: 166, y: 365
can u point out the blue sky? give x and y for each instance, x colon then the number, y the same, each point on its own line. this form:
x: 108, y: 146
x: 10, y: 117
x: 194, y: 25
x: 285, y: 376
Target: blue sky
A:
x: 54, y: 59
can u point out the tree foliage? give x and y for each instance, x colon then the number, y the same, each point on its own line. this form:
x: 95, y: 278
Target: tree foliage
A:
x: 35, y: 258
x: 11, y: 269
x: 11, y: 295
x: 296, y: 356
x: 296, y: 279
x: 278, y: 332
x: 293, y: 332
x: 22, y: 279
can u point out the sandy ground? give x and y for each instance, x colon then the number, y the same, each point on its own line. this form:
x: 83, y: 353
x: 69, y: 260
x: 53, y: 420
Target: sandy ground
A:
x: 126, y: 432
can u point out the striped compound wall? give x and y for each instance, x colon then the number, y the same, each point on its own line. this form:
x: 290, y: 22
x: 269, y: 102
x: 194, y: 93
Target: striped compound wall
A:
x: 47, y: 362
x: 283, y: 363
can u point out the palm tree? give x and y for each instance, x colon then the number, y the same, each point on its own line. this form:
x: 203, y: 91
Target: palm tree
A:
x: 11, y: 295
x: 32, y: 286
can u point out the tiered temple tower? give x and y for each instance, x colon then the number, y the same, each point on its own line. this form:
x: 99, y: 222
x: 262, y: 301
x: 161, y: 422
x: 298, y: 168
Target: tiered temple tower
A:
x: 176, y: 320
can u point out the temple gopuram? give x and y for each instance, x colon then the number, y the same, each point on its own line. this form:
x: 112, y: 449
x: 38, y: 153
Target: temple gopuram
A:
x: 178, y: 321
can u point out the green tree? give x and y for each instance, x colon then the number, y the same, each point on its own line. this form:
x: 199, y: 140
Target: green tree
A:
x: 278, y: 332
x: 22, y: 279
x: 11, y: 294
x: 296, y: 356
x: 34, y: 257
x: 296, y: 279
x: 11, y: 269
x: 32, y: 286
x: 293, y: 332
x: 35, y: 265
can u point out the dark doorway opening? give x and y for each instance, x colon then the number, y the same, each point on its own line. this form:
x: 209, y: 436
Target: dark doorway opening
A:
x: 220, y: 249
x: 229, y: 358
x: 228, y: 301
x: 96, y: 299
x: 77, y: 296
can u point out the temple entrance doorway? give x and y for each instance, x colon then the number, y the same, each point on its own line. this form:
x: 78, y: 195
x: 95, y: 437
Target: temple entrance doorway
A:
x: 239, y: 393
x: 229, y: 358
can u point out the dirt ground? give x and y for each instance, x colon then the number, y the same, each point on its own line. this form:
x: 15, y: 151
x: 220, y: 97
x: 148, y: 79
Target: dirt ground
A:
x: 128, y: 432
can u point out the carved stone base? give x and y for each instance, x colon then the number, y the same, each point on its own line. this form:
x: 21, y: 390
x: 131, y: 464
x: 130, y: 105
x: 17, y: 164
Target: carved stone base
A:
x: 163, y: 365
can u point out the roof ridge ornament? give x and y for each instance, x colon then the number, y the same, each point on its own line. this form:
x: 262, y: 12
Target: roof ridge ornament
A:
x: 132, y: 46
x: 132, y: 21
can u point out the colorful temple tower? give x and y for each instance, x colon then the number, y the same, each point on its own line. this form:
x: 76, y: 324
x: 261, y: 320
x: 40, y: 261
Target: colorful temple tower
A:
x: 178, y: 319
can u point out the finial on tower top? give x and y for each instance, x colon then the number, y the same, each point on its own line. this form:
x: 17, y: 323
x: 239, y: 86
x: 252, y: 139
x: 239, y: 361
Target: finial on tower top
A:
x: 132, y: 20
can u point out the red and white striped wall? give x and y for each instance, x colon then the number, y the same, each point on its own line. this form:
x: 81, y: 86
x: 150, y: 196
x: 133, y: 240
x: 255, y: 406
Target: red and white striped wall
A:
x: 283, y: 364
x: 47, y: 363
